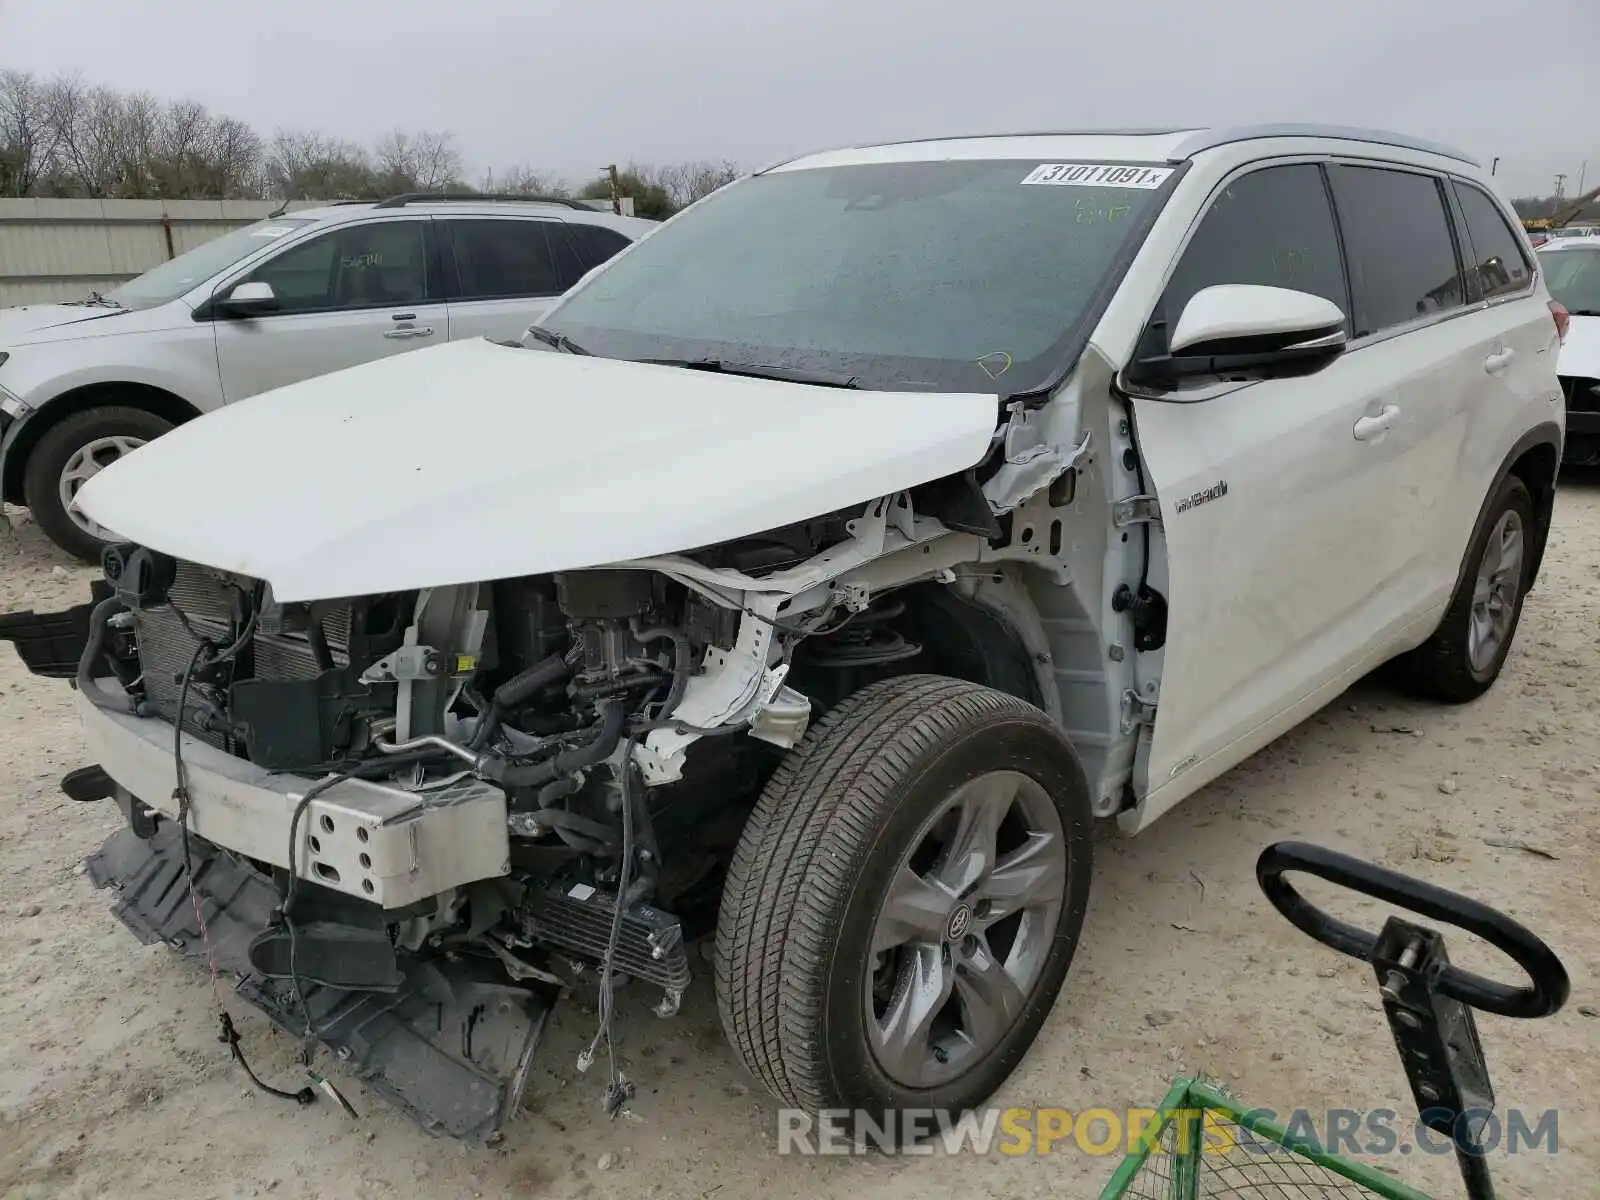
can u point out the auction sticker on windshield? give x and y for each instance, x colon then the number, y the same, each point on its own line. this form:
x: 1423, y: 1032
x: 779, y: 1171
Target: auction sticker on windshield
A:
x: 1092, y: 175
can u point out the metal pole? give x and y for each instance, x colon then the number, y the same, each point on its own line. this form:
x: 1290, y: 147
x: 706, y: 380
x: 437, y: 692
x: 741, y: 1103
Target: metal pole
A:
x: 1475, y: 1172
x: 1583, y: 172
x: 616, y: 198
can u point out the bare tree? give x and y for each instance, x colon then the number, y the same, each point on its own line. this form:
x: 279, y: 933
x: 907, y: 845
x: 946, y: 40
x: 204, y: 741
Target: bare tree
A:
x: 27, y: 137
x: 63, y: 137
x: 195, y: 154
x: 419, y: 162
x: 102, y: 139
x: 305, y: 165
x: 67, y: 101
x: 526, y: 181
x: 690, y: 181
x: 235, y: 157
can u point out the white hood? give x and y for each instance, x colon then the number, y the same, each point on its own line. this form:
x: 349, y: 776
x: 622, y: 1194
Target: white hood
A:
x: 26, y: 322
x: 475, y: 461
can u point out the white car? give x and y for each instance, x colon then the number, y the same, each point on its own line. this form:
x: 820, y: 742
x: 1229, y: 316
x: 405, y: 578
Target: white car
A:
x: 1571, y: 267
x: 297, y: 295
x: 828, y: 565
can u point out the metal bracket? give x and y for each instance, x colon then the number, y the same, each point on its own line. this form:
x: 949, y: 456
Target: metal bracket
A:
x: 1136, y: 711
x: 1136, y: 510
x: 406, y: 663
x: 1437, y: 1038
x: 1435, y: 1034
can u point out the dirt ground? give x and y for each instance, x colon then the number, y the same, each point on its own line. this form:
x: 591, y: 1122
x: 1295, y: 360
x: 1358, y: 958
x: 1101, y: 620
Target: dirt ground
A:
x: 112, y: 1082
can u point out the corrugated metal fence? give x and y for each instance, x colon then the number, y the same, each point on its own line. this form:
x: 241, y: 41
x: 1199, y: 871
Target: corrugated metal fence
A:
x: 64, y: 249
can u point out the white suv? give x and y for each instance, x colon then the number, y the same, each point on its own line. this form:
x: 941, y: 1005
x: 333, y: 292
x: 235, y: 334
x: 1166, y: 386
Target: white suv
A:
x: 297, y: 295
x: 830, y: 562
x: 1572, y: 270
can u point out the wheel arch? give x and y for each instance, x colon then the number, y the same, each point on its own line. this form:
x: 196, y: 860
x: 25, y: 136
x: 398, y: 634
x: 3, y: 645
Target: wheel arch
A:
x: 1020, y: 630
x: 1535, y: 459
x: 965, y: 639
x: 160, y: 402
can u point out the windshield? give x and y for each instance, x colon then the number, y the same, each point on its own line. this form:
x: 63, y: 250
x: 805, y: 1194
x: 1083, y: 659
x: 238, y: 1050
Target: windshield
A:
x: 189, y: 270
x: 942, y: 276
x: 1572, y: 274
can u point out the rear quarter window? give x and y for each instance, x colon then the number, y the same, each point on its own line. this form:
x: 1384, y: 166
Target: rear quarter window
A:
x: 1497, y: 258
x: 594, y: 243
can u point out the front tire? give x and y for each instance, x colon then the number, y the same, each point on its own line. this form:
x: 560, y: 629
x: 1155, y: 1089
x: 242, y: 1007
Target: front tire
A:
x: 905, y: 900
x: 67, y: 456
x: 1464, y: 657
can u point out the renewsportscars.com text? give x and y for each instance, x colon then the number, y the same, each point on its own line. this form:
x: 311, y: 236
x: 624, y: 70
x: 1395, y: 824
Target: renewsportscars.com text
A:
x: 1104, y: 1131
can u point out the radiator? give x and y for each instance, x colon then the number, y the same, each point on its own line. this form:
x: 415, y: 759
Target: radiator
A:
x: 203, y: 603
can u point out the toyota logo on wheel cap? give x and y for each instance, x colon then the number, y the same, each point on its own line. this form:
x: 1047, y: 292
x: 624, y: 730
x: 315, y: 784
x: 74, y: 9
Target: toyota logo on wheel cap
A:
x: 960, y: 921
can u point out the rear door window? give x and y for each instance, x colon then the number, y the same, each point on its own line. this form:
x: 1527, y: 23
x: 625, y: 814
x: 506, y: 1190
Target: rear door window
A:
x: 1497, y: 258
x: 1397, y: 240
x: 1272, y: 227
x: 504, y: 259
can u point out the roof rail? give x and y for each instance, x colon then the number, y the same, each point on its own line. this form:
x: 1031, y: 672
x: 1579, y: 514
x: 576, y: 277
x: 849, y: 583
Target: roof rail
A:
x: 1209, y: 139
x: 1109, y: 131
x: 433, y: 197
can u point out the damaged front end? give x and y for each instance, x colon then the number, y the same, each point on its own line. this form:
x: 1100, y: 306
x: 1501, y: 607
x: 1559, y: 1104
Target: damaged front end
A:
x: 412, y: 820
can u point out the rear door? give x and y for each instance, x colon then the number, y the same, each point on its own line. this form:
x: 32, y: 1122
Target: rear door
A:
x: 356, y: 293
x: 1276, y: 498
x: 1413, y: 326
x: 1516, y: 327
x: 506, y: 274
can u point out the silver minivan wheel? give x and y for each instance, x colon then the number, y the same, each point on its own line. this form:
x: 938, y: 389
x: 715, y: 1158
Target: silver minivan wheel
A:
x: 84, y: 464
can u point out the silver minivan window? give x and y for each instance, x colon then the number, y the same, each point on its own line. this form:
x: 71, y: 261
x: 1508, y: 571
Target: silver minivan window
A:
x: 163, y: 284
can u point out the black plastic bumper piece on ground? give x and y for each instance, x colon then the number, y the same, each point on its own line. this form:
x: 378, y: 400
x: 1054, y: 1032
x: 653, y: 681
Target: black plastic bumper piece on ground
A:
x: 453, y: 1047
x: 49, y: 644
x: 88, y: 784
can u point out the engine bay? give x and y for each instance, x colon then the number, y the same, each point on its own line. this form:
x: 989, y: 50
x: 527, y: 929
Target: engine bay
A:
x: 406, y: 822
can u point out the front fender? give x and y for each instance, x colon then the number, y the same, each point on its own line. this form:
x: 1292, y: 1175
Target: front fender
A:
x: 49, y: 390
x: 10, y: 462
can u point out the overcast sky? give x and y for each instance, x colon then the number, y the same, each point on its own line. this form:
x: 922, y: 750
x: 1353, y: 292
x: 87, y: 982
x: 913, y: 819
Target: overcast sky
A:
x: 569, y: 85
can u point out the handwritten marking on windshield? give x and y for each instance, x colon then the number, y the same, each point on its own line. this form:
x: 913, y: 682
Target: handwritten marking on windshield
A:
x: 1090, y: 213
x: 988, y: 364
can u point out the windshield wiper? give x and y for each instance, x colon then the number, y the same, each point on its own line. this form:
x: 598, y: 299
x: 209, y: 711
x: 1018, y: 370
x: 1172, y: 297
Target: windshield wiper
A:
x: 95, y: 300
x: 759, y: 371
x: 559, y: 341
x: 1584, y: 312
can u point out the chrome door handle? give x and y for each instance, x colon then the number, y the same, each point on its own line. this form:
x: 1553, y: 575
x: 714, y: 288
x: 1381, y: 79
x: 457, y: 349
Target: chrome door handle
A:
x: 409, y: 333
x: 1369, y: 429
x: 1496, y: 363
